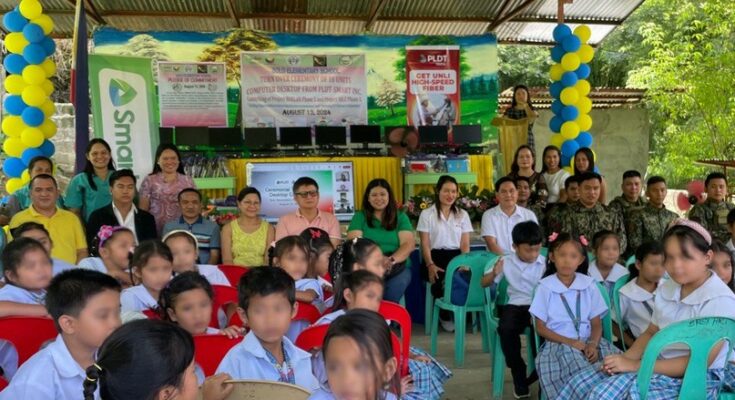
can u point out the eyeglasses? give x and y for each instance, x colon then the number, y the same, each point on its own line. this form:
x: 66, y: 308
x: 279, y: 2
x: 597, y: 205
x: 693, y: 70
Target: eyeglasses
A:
x: 311, y: 193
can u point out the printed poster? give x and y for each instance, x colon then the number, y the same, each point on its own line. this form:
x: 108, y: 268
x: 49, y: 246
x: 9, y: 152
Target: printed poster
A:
x: 433, y: 79
x: 192, y: 94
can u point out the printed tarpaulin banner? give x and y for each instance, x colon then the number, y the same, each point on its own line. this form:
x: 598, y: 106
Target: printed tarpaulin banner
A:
x: 301, y: 89
x: 123, y: 106
x: 192, y: 94
x: 432, y: 81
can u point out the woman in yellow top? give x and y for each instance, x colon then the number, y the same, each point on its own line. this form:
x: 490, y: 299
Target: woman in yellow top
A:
x: 245, y: 240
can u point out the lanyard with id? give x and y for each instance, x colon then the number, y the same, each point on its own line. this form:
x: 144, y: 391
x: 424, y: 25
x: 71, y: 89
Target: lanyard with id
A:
x: 577, y: 320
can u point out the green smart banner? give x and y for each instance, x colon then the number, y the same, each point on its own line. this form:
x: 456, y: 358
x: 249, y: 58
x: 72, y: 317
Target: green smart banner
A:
x: 124, y: 109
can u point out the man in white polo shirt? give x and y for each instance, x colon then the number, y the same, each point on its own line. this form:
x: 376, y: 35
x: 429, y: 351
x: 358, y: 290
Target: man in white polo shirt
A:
x: 498, y: 222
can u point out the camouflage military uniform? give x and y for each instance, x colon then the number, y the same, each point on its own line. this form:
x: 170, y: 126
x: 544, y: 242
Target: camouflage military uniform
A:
x: 554, y: 217
x: 626, y: 208
x: 580, y: 220
x: 713, y: 216
x: 647, y: 224
x: 538, y: 210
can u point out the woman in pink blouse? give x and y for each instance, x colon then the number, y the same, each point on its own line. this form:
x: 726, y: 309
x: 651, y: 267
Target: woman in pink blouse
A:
x: 160, y: 189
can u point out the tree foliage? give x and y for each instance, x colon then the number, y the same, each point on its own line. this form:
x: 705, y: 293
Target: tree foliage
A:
x: 227, y: 49
x: 523, y: 65
x: 389, y: 95
x: 399, y: 67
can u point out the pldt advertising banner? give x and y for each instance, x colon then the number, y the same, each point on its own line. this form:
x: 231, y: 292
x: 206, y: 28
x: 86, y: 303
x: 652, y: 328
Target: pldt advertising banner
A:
x: 432, y: 90
x: 192, y: 94
x: 123, y: 106
x: 282, y: 89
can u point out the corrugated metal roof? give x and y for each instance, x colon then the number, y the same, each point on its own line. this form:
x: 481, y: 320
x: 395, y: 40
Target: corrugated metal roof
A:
x: 533, y: 24
x: 602, y: 97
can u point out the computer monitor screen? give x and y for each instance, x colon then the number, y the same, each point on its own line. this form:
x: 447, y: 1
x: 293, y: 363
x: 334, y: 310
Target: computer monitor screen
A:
x: 365, y: 134
x: 192, y: 135
x: 330, y: 135
x: 433, y: 134
x: 231, y: 137
x: 296, y: 136
x: 261, y: 138
x: 467, y: 134
x: 165, y: 135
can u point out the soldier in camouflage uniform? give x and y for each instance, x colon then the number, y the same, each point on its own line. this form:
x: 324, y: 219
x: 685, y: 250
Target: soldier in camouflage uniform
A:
x: 713, y: 213
x: 650, y: 222
x: 555, y: 213
x: 588, y: 216
x: 631, y: 199
x: 523, y: 185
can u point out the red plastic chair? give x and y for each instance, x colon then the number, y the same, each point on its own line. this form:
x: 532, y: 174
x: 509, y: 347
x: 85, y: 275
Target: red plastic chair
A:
x: 307, y: 312
x: 209, y: 350
x: 27, y: 334
x: 151, y: 313
x: 233, y: 272
x: 3, y: 383
x: 396, y: 313
x: 223, y: 295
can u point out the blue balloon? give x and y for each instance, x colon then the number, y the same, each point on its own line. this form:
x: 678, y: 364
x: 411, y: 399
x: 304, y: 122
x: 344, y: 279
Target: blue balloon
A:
x: 569, y: 147
x: 569, y: 113
x: 555, y: 124
x: 33, y: 116
x: 584, y: 139
x: 33, y: 33
x: 557, y: 52
x: 49, y: 46
x: 14, y: 63
x: 597, y: 170
x: 14, y: 21
x: 566, y: 160
x: 14, y: 105
x: 583, y: 71
x: 30, y: 154
x: 561, y: 32
x: 555, y: 89
x: 47, y: 148
x: 569, y: 79
x: 34, y: 53
x: 556, y: 107
x: 571, y: 43
x: 13, y: 167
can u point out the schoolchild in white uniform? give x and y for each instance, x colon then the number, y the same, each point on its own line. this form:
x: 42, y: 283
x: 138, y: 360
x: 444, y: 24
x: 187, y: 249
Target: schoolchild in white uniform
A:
x: 568, y: 309
x: 114, y: 245
x: 605, y: 269
x: 267, y: 298
x: 693, y: 291
x: 152, y: 268
x: 85, y: 306
x: 37, y: 231
x: 522, y: 270
x: 185, y: 250
x: 723, y: 263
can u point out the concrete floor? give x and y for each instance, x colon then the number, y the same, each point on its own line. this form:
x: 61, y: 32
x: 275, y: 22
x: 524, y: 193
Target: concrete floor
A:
x: 474, y: 380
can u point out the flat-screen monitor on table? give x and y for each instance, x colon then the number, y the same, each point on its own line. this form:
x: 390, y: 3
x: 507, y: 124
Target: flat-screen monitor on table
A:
x: 429, y: 134
x: 295, y: 136
x: 330, y: 135
x: 365, y: 134
x: 261, y: 138
x: 192, y: 135
x: 165, y: 135
x: 225, y: 137
x: 467, y: 134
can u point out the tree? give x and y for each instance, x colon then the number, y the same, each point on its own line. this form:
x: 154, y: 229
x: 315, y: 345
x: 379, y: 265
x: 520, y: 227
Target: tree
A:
x: 389, y: 95
x: 399, y: 67
x: 227, y: 49
x: 145, y: 45
x: 62, y: 77
x: 523, y: 65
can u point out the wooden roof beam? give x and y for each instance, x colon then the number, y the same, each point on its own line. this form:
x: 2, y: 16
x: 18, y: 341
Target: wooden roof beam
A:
x: 376, y: 6
x: 511, y: 14
x: 233, y: 15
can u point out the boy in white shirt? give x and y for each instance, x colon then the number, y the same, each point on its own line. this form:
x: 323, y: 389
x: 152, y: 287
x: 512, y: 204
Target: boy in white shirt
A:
x: 522, y: 270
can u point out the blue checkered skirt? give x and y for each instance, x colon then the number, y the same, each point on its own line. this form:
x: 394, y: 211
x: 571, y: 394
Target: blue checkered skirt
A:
x: 556, y: 363
x: 428, y: 377
x: 662, y: 387
x: 728, y: 382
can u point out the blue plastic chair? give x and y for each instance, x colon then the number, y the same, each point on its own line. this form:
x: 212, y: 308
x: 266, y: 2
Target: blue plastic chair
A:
x: 701, y: 335
x: 477, y: 262
x: 616, y: 306
x: 630, y: 261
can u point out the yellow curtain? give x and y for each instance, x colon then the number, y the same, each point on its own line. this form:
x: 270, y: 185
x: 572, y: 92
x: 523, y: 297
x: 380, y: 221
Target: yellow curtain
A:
x: 512, y: 134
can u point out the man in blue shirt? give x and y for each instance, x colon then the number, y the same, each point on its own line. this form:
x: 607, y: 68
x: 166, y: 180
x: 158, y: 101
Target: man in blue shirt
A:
x: 206, y: 231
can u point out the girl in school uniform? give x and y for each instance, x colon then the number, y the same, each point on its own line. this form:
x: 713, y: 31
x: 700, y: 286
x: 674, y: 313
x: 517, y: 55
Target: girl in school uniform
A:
x: 568, y: 310
x: 34, y: 230
x: 152, y: 268
x: 637, y: 296
x: 185, y: 250
x: 605, y: 269
x: 115, y: 246
x: 723, y: 262
x: 693, y: 291
x: 358, y: 358
x: 320, y: 250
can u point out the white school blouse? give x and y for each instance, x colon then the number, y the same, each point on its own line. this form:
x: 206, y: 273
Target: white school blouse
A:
x: 136, y: 298
x: 444, y: 233
x: 712, y: 299
x: 247, y: 360
x: 51, y: 374
x: 633, y: 312
x: 60, y: 266
x: 522, y: 278
x: 617, y: 272
x: 306, y: 284
x: 213, y: 274
x: 548, y: 306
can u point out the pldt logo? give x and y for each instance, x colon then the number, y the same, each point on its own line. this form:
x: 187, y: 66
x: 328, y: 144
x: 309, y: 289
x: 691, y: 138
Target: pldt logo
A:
x: 121, y: 93
x: 438, y: 59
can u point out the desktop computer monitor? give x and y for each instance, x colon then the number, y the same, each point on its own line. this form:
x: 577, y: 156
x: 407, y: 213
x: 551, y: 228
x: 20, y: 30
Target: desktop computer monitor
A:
x: 261, y: 138
x: 467, y: 134
x: 429, y: 134
x: 165, y: 135
x: 365, y: 134
x: 192, y: 135
x: 225, y: 137
x: 295, y: 136
x: 330, y: 135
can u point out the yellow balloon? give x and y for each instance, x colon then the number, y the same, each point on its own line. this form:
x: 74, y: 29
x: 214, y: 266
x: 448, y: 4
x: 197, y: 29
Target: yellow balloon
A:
x: 15, y: 42
x: 49, y: 67
x: 594, y: 156
x: 47, y: 87
x: 48, y: 108
x: 14, y: 84
x: 556, y: 72
x: 584, y: 105
x: 583, y: 87
x: 48, y: 128
x: 13, y: 184
x: 557, y: 140
x: 569, y: 130
x: 569, y: 169
x: 584, y: 122
x: 34, y: 95
x: 32, y: 137
x: 31, y: 9
x: 45, y: 22
x: 583, y: 32
x: 570, y: 62
x: 34, y: 74
x: 569, y: 96
x: 13, y: 126
x: 585, y: 53
x: 13, y: 147
x: 25, y: 176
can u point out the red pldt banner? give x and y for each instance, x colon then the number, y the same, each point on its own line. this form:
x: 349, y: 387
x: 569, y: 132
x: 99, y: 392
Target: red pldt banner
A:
x: 432, y: 76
